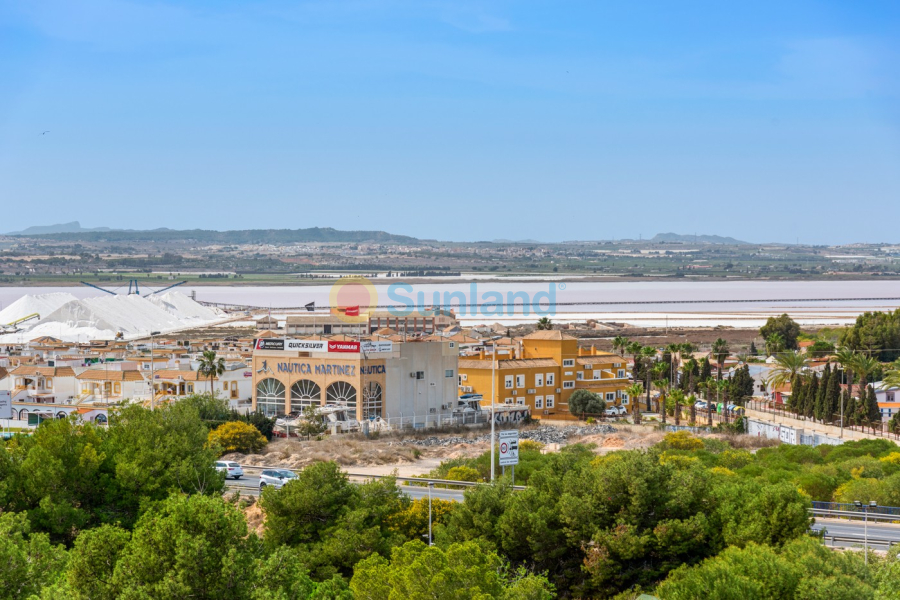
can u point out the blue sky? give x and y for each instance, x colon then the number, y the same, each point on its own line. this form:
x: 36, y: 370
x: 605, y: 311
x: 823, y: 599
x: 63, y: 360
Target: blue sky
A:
x: 552, y: 120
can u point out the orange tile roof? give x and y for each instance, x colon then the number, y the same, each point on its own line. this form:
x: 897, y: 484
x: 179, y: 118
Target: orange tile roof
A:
x: 106, y: 375
x: 45, y: 371
x: 548, y: 334
x: 181, y: 374
x: 514, y: 363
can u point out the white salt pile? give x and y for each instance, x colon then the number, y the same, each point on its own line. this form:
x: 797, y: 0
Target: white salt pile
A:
x: 105, y: 316
x: 42, y: 304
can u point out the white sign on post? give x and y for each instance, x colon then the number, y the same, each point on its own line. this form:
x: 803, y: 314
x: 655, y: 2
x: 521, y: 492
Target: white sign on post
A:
x: 5, y: 405
x: 509, y: 448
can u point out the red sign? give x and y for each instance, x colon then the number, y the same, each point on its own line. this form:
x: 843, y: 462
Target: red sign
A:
x: 343, y: 346
x: 352, y: 311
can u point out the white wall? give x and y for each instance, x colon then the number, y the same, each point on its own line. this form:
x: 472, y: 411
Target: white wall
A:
x: 431, y: 399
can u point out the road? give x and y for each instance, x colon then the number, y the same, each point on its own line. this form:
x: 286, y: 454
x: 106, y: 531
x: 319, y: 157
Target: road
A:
x: 838, y: 527
x: 249, y: 486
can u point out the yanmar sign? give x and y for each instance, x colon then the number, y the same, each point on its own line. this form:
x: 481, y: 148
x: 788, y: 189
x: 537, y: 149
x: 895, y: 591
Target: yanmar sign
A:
x: 343, y: 346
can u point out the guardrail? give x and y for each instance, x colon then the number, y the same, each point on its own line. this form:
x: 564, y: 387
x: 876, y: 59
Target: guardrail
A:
x: 846, y: 539
x: 418, y: 480
x: 860, y: 515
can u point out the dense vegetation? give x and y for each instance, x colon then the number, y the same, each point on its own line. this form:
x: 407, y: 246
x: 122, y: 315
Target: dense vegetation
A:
x: 136, y: 510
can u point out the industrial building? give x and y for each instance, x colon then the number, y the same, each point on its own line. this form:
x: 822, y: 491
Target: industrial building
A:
x: 412, y: 382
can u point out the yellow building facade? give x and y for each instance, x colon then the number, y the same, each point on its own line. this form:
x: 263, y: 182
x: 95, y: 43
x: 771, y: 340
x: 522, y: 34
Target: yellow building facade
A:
x: 547, y: 367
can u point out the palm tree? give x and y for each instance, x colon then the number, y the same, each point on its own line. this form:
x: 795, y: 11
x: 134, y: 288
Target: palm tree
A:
x: 647, y: 353
x: 787, y: 365
x: 708, y: 387
x: 661, y: 384
x: 720, y: 352
x: 687, y: 371
x: 863, y: 366
x: 210, y: 367
x: 544, y: 323
x: 634, y: 392
x: 619, y: 343
x: 678, y: 397
x: 846, y: 357
x: 774, y: 343
x: 892, y: 376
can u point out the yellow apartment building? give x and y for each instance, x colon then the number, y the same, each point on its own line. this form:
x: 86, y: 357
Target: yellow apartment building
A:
x: 547, y: 367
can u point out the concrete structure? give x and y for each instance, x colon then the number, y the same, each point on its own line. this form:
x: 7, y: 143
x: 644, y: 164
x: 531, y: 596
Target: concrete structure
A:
x: 416, y: 322
x: 545, y: 370
x: 414, y: 381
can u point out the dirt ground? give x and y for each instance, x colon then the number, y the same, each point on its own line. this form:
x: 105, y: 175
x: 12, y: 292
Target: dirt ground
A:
x: 738, y: 339
x: 386, y: 455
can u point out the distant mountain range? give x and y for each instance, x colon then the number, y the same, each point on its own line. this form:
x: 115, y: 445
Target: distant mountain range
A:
x: 75, y: 232
x: 696, y: 239
x: 73, y: 227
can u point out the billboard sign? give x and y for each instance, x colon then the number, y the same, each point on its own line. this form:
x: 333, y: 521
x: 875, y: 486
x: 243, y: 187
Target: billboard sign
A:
x: 375, y: 347
x: 306, y: 345
x: 5, y: 405
x: 269, y: 344
x: 509, y: 447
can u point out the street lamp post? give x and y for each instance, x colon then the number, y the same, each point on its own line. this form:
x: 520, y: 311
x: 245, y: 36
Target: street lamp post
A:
x: 866, y: 507
x: 493, y: 401
x: 152, y: 374
x: 430, y: 487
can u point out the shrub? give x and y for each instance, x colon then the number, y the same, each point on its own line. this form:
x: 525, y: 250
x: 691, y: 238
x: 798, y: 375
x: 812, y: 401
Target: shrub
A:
x: 463, y: 473
x: 237, y: 436
x: 682, y: 440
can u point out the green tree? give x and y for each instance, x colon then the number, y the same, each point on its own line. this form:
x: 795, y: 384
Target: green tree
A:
x: 28, y: 561
x: 92, y: 562
x: 461, y: 571
x: 210, y: 367
x: 332, y: 523
x: 774, y: 344
x: 585, y: 402
x: 311, y: 424
x: 786, y: 327
x: 620, y: 343
x: 544, y: 323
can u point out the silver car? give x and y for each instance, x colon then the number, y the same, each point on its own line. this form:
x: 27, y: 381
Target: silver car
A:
x: 231, y: 469
x: 275, y: 477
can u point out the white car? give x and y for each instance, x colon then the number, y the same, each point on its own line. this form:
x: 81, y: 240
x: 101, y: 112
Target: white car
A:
x: 615, y: 411
x: 275, y: 477
x: 231, y: 469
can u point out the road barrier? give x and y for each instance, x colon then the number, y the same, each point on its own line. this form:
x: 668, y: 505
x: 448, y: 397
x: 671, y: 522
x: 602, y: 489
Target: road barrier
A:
x: 852, y: 514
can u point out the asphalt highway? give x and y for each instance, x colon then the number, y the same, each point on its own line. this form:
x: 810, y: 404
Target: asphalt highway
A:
x: 248, y: 485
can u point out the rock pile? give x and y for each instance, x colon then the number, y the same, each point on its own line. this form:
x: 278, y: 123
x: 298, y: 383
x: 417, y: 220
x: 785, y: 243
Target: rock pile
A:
x: 544, y: 435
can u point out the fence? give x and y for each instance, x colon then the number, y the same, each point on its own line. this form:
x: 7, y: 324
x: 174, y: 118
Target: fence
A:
x: 847, y: 509
x: 768, y: 406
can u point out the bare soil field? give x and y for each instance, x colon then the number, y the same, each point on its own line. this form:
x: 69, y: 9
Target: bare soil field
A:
x: 417, y: 454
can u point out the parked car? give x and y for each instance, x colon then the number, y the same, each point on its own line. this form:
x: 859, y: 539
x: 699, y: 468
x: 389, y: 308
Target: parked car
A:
x: 612, y: 411
x: 275, y: 477
x: 231, y: 469
x: 700, y: 405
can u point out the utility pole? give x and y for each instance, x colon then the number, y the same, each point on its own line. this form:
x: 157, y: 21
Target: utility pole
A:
x: 152, y: 373
x: 430, y: 487
x: 493, y: 401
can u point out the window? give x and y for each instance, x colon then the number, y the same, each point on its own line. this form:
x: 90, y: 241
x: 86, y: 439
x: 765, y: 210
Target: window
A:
x: 118, y: 388
x: 579, y: 375
x: 520, y: 401
x: 190, y: 388
x: 889, y: 395
x: 509, y: 401
x: 617, y: 365
x: 568, y: 384
x: 420, y: 374
x: 448, y: 373
x: 620, y: 373
x: 508, y: 382
x: 624, y: 400
x: 453, y: 344
x: 598, y: 374
x: 568, y: 362
x: 539, y: 402
x: 49, y: 384
x: 520, y: 381
x: 539, y: 380
x: 551, y: 377
x: 550, y: 401
x: 587, y: 367
x: 610, y: 396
